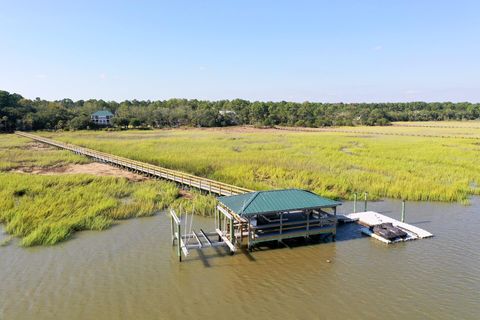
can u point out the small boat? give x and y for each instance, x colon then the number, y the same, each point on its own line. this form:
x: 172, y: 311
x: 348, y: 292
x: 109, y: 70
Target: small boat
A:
x: 388, y: 231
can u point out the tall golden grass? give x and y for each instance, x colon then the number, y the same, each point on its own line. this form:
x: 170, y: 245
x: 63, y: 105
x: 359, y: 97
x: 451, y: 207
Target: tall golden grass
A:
x: 49, y: 209
x: 332, y: 164
x: 44, y: 210
x: 18, y: 152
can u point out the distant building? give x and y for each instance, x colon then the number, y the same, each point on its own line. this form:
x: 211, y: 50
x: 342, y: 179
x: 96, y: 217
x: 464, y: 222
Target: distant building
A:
x: 102, y: 117
x: 227, y: 112
x: 229, y: 117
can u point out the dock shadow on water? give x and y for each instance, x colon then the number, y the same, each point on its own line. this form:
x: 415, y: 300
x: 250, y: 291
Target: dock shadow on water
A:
x: 131, y: 272
x: 349, y: 231
x: 345, y: 232
x: 205, y: 255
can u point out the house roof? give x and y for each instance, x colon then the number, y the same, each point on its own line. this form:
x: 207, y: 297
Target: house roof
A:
x: 102, y: 113
x: 252, y: 203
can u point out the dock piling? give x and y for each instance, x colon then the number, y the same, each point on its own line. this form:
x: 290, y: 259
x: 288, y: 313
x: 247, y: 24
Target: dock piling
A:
x: 366, y: 197
x: 355, y: 202
x: 232, y: 231
x: 403, y: 211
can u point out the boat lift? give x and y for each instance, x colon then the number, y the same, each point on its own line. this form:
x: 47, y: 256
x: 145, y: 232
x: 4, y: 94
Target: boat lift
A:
x: 191, y: 239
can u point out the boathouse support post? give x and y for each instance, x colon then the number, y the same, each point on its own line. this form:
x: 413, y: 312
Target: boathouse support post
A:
x: 403, y: 211
x: 219, y: 221
x: 281, y: 228
x: 232, y: 231
x: 281, y: 223
x: 308, y: 212
x: 224, y: 224
x: 249, y: 234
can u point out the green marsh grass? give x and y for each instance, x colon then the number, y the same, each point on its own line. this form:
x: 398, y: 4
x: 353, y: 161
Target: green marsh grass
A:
x: 17, y: 152
x: 47, y: 209
x: 332, y: 164
x: 6, y: 241
x: 44, y: 210
x: 198, y: 203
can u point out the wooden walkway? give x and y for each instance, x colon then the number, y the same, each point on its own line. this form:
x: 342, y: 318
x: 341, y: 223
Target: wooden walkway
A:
x: 182, y: 178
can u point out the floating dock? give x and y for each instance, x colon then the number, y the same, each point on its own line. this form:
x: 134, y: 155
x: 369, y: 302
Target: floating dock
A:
x: 372, y: 218
x: 343, y: 219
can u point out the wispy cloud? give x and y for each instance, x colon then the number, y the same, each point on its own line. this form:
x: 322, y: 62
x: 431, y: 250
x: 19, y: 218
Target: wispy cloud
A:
x: 102, y: 76
x: 40, y: 76
x: 377, y: 48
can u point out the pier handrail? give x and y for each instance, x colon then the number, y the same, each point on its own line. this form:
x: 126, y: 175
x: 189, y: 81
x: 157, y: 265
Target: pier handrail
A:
x: 295, y: 224
x: 169, y: 174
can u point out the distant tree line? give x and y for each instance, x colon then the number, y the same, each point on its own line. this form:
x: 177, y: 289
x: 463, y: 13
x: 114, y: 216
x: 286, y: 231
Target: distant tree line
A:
x: 18, y: 113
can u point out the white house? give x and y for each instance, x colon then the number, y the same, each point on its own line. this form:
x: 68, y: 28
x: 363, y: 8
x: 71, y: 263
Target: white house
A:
x: 102, y: 117
x: 227, y: 112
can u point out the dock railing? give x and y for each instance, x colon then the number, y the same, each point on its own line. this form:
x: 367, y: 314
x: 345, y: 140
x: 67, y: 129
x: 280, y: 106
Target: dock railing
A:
x: 295, y: 228
x: 183, y: 178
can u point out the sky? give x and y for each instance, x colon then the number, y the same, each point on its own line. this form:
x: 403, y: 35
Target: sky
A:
x: 324, y: 51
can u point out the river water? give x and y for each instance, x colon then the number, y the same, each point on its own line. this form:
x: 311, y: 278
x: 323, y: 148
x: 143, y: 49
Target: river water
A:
x: 131, y: 272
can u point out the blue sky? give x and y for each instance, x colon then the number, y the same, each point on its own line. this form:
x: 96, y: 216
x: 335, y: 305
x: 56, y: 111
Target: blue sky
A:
x: 328, y: 51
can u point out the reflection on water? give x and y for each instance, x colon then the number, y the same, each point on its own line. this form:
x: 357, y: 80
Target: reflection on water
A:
x: 131, y: 272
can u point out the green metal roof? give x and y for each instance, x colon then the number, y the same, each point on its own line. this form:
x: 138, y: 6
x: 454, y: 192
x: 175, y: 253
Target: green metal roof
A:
x: 252, y: 203
x: 103, y: 113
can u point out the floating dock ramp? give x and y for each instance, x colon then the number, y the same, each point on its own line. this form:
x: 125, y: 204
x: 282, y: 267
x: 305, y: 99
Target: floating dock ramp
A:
x: 372, y: 218
x: 182, y: 178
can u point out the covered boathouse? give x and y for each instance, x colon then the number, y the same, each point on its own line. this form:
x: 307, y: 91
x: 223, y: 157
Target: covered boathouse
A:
x: 275, y: 215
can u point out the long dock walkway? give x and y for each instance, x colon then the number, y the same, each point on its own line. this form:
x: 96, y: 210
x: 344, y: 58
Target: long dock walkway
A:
x: 183, y: 178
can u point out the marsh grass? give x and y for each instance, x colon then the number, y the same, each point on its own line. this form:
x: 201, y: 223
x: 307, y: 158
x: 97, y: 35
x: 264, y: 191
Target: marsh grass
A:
x: 44, y: 210
x: 198, y: 203
x: 335, y: 165
x: 16, y: 152
x: 5, y: 242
